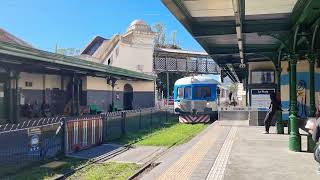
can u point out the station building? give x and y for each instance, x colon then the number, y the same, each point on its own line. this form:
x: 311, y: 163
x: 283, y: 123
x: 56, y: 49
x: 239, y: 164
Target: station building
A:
x: 258, y: 80
x: 132, y: 50
x: 36, y: 83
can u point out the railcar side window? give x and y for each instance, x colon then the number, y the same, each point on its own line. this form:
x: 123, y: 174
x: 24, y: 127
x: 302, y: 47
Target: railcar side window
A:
x: 197, y: 92
x: 187, y: 92
x: 202, y: 92
x: 180, y: 93
x: 207, y: 92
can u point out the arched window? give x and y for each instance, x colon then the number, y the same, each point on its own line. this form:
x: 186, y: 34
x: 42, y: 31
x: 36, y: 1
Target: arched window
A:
x: 127, y: 97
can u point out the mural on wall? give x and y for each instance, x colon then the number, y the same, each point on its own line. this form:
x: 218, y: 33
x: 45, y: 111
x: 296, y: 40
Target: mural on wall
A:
x: 302, y: 99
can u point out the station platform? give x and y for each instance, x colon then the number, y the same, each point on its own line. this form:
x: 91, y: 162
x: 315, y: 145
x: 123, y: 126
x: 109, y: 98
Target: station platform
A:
x: 233, y: 150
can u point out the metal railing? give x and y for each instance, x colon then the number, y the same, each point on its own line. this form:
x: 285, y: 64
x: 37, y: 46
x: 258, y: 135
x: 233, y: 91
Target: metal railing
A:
x: 29, y: 142
x: 118, y: 124
x: 171, y: 64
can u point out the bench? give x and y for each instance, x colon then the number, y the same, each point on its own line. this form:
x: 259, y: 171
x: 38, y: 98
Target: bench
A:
x: 94, y: 109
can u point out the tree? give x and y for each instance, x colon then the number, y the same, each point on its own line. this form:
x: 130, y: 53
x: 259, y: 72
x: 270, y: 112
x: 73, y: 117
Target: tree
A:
x: 159, y: 29
x: 173, y: 77
x: 161, y: 41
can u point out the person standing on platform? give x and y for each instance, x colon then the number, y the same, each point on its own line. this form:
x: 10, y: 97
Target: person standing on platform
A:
x: 230, y: 97
x: 274, y: 106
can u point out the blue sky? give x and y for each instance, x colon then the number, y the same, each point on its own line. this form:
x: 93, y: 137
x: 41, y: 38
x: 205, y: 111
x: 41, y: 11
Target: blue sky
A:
x: 72, y: 23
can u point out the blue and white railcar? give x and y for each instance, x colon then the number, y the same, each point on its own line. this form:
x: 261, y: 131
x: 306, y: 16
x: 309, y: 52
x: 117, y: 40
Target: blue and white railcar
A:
x: 195, y: 99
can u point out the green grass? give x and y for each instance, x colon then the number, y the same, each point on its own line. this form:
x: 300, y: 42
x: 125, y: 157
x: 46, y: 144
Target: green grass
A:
x: 133, y: 137
x: 165, y: 136
x: 92, y: 171
x: 37, y: 172
x: 106, y: 171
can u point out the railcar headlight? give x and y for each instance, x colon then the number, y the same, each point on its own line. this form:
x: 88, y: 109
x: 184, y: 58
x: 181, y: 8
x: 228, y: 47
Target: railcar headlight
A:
x: 208, y: 105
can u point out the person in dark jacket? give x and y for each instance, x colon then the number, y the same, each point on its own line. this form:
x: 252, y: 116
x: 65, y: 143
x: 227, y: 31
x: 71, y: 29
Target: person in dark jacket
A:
x: 316, y: 138
x: 274, y: 106
x: 313, y: 125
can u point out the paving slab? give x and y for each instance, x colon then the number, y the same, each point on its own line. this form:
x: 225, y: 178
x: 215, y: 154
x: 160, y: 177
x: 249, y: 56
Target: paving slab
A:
x: 267, y: 157
x: 243, y: 153
x: 174, y: 166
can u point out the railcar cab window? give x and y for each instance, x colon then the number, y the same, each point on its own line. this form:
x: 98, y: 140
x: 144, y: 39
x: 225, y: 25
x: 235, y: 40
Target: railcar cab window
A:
x: 180, y: 93
x: 187, y: 93
x: 202, y: 92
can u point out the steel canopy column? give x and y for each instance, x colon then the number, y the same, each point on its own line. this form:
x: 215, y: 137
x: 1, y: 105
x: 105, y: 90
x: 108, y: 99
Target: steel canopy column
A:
x: 17, y: 99
x: 78, y: 95
x: 312, y: 111
x: 289, y: 79
x: 11, y: 115
x: 73, y: 96
x: 294, y: 138
x: 168, y: 94
x: 279, y: 123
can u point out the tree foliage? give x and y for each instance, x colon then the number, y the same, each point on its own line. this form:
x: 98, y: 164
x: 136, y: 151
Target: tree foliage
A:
x: 162, y: 82
x: 161, y: 40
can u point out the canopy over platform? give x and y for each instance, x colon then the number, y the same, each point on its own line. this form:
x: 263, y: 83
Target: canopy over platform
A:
x: 236, y: 32
x: 28, y: 58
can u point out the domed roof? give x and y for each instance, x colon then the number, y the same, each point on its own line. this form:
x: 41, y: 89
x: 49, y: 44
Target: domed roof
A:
x: 138, y: 22
x: 139, y: 25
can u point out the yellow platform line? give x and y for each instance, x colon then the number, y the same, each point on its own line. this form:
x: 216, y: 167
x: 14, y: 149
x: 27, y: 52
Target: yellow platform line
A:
x: 188, y: 162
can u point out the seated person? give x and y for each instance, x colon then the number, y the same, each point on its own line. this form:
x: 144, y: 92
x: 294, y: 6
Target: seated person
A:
x: 28, y: 110
x: 36, y: 109
x: 68, y: 108
x: 46, y: 109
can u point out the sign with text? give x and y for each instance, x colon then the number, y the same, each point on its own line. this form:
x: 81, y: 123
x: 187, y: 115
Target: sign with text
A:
x: 260, y: 98
x: 34, y: 141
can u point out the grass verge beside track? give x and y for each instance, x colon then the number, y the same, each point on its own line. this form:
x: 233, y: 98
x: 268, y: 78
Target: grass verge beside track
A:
x: 166, y: 136
x: 106, y: 171
x: 92, y: 171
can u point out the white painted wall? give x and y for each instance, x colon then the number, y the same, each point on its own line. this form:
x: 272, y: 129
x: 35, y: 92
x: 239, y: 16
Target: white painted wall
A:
x: 131, y: 58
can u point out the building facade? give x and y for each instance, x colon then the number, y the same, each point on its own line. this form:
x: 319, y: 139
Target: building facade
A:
x: 36, y: 83
x: 133, y: 50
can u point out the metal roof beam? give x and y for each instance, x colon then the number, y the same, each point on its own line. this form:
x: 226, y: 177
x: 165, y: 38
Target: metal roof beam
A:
x: 233, y: 49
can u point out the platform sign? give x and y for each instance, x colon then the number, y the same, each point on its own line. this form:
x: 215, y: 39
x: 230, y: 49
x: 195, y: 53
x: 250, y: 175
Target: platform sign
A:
x: 260, y: 98
x: 34, y: 141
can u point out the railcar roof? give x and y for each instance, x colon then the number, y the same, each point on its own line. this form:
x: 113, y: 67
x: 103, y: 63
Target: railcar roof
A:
x: 205, y: 79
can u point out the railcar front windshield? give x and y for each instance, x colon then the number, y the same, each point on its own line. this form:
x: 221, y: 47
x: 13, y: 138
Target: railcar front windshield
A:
x: 202, y: 92
x: 180, y: 93
x: 187, y: 93
x: 194, y: 92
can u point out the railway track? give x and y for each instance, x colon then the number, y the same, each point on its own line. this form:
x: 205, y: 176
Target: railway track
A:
x: 99, y: 159
x: 146, y: 167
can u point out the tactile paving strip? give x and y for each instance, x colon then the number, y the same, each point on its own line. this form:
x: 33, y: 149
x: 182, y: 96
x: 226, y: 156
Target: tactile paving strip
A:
x: 183, y: 168
x: 219, y: 166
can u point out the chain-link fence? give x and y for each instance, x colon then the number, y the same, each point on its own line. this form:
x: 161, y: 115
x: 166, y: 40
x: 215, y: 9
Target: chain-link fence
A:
x: 118, y: 124
x: 29, y: 142
x: 32, y: 141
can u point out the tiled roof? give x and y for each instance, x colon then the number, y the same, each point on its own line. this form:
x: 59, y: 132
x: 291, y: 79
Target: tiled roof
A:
x: 7, y: 37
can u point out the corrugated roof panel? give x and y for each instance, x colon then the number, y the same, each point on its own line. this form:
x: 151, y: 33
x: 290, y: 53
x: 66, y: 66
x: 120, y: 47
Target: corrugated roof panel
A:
x: 256, y: 7
x: 207, y: 8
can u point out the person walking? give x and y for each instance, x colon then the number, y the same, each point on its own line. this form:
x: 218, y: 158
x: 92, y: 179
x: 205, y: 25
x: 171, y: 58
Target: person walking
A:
x: 274, y: 106
x: 230, y: 98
